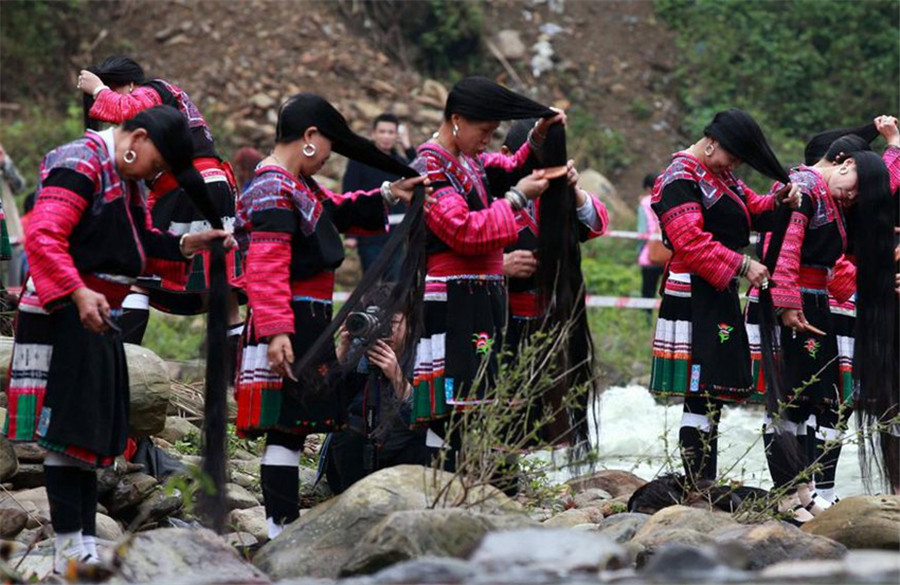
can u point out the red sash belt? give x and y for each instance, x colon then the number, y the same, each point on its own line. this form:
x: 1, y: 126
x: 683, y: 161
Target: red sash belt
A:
x: 320, y: 286
x: 452, y: 264
x: 812, y: 278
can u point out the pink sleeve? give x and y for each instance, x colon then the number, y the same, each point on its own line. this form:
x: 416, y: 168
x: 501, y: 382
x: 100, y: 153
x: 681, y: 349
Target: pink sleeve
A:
x: 268, y: 282
x: 56, y: 213
x: 713, y: 261
x: 507, y: 162
x: 601, y: 221
x: 843, y: 279
x: 786, y: 293
x: 756, y: 203
x: 470, y: 232
x: 891, y: 158
x: 113, y: 107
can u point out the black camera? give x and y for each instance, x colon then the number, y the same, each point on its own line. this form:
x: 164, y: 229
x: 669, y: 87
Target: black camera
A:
x: 368, y: 324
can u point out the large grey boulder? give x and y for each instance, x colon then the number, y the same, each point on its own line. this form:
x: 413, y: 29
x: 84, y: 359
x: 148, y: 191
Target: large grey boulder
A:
x: 322, y: 540
x: 413, y: 534
x: 149, y: 384
x: 9, y: 461
x: 775, y: 541
x: 182, y: 556
x: 616, y: 482
x: 860, y: 522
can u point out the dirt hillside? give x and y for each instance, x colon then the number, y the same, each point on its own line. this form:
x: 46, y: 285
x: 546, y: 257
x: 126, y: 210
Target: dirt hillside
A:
x: 238, y: 59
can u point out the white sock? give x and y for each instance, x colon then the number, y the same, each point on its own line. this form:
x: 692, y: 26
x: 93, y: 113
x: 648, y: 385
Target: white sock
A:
x: 68, y: 546
x: 274, y: 529
x: 826, y: 494
x: 90, y: 547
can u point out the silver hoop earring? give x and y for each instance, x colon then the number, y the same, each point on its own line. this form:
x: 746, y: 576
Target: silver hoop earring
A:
x: 455, y: 131
x: 709, y: 150
x: 130, y: 156
x: 309, y: 150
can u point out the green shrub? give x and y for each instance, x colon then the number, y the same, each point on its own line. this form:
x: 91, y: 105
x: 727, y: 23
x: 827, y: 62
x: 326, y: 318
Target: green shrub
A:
x: 595, y: 146
x: 798, y: 66
x: 173, y: 337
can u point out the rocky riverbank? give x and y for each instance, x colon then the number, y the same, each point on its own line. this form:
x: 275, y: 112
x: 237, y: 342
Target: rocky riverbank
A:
x: 412, y: 525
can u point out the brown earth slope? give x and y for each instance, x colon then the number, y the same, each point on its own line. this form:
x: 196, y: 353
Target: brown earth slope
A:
x: 238, y: 59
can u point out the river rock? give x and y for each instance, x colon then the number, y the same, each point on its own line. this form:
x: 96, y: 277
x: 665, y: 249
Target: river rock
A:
x: 509, y: 44
x: 546, y: 552
x: 411, y: 534
x: 689, y: 564
x: 871, y: 522
x: 177, y: 428
x: 131, y: 490
x: 160, y: 504
x: 9, y: 462
x: 322, y: 540
x: 573, y: 517
x: 250, y: 520
x: 182, y: 555
x: 422, y: 570
x: 685, y: 517
x: 108, y: 529
x: 591, y: 496
x: 615, y: 482
x: 12, y: 521
x: 237, y: 497
x: 859, y: 566
x: 150, y: 389
x: 29, y: 475
x: 33, y: 501
x: 29, y: 452
x: 775, y: 541
x: 622, y: 527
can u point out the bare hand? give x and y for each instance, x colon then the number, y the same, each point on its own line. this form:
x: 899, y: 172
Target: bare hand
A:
x: 343, y: 343
x: 194, y: 243
x: 540, y: 129
x: 403, y: 189
x: 93, y: 309
x: 281, y: 355
x: 533, y: 185
x: 789, y: 195
x: 351, y: 243
x: 757, y: 274
x: 887, y: 127
x: 88, y: 82
x: 382, y: 355
x: 519, y: 263
x: 796, y: 320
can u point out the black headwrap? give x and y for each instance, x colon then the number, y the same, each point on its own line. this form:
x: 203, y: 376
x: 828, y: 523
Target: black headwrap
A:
x: 479, y: 98
x: 739, y: 134
x: 304, y: 110
x: 819, y: 144
x: 169, y: 132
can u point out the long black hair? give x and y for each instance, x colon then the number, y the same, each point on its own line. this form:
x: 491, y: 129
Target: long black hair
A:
x: 169, y: 132
x: 875, y: 362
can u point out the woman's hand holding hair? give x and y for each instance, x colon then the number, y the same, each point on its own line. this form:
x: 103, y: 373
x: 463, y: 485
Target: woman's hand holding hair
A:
x: 887, y: 127
x: 533, y: 185
x: 404, y: 188
x: 89, y: 82
x: 757, y: 274
x: 789, y: 195
x: 192, y: 243
x: 539, y: 132
x: 93, y: 309
x: 281, y: 355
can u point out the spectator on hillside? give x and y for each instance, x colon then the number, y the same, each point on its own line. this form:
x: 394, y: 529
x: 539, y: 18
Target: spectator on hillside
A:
x: 649, y: 258
x: 10, y: 173
x: 387, y: 135
x: 244, y: 162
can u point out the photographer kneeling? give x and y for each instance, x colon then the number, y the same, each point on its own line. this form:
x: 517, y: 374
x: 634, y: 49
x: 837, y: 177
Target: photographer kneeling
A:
x: 378, y: 433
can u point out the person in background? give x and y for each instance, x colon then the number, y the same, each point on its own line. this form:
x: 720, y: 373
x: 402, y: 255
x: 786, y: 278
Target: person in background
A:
x: 358, y: 176
x: 648, y: 224
x: 245, y: 160
x: 10, y: 172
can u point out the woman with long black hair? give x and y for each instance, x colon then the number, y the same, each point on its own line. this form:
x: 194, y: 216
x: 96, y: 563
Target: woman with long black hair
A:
x: 89, y: 237
x: 116, y: 90
x: 288, y: 226
x: 465, y: 296
x: 700, y: 349
x: 815, y: 239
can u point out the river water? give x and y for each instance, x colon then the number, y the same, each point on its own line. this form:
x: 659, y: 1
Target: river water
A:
x: 638, y: 434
